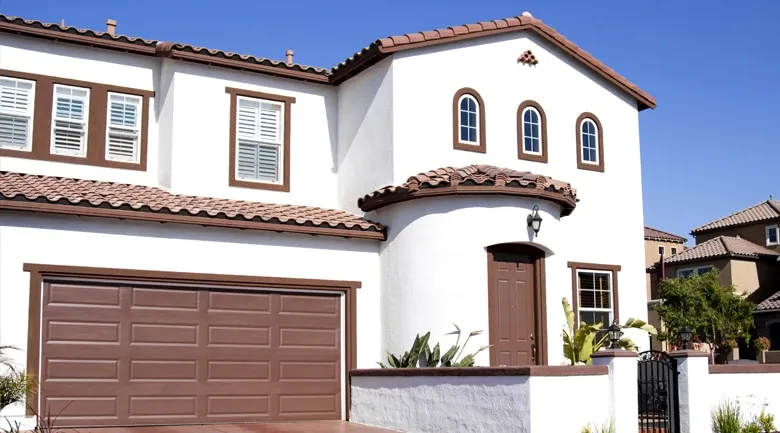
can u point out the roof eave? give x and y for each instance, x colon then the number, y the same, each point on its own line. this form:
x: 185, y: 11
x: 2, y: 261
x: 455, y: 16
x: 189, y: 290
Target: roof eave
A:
x: 644, y: 101
x: 135, y: 215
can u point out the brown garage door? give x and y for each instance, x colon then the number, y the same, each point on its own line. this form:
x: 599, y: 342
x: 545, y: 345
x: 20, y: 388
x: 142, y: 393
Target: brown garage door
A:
x: 120, y: 355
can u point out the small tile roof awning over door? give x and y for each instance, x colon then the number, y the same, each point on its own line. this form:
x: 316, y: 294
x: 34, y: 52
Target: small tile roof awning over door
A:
x: 652, y: 234
x: 722, y: 246
x: 764, y: 211
x: 770, y: 303
x: 62, y: 195
x: 474, y: 179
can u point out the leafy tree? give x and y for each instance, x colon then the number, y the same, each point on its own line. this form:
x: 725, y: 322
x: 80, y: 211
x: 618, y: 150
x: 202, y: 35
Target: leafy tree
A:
x: 714, y: 312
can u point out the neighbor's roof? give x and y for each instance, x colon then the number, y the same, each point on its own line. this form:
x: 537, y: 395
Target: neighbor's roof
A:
x: 62, y: 195
x: 770, y: 303
x: 652, y: 234
x: 474, y: 179
x: 763, y: 211
x: 358, y: 62
x: 721, y: 246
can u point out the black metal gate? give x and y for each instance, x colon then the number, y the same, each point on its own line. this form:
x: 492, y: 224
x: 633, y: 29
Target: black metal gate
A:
x: 658, y: 400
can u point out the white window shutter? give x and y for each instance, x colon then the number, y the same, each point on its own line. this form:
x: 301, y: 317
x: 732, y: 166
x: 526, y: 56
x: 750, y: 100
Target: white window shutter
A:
x: 69, y: 122
x: 16, y: 112
x: 259, y: 135
x: 123, y: 132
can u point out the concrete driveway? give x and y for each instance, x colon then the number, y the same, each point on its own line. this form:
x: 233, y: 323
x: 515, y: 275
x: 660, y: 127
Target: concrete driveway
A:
x: 291, y: 427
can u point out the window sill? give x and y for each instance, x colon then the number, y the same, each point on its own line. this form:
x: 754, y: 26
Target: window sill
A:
x: 279, y: 187
x: 479, y: 148
x: 80, y: 160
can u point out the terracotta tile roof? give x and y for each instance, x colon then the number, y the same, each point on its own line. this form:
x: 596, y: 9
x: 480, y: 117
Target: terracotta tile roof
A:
x: 106, y: 199
x: 361, y: 60
x: 652, y: 234
x: 770, y: 303
x: 721, y: 246
x: 386, y: 46
x: 474, y: 179
x: 763, y: 211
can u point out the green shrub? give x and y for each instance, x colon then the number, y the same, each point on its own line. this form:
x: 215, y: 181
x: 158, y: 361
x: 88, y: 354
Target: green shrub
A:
x: 766, y: 421
x: 726, y: 418
x: 608, y: 427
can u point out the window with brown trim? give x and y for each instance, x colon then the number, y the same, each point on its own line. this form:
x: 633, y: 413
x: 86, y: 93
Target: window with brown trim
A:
x: 78, y: 122
x: 259, y: 140
x: 590, y: 143
x: 531, y: 132
x: 468, y: 121
x: 595, y: 293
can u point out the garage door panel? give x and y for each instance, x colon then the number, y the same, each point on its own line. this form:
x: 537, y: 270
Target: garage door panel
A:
x: 143, y: 355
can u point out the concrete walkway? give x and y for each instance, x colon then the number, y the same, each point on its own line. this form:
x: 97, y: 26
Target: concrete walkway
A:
x: 291, y: 427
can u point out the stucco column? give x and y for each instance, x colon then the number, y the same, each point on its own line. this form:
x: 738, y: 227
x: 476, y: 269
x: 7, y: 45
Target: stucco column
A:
x: 693, y: 367
x: 623, y: 388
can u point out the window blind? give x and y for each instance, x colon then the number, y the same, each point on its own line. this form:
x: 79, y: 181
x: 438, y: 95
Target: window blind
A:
x: 259, y: 135
x: 123, y: 131
x: 69, y: 123
x: 16, y: 110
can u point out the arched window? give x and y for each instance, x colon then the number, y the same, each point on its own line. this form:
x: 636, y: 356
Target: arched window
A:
x: 469, y: 110
x: 531, y: 132
x: 468, y: 120
x: 590, y: 143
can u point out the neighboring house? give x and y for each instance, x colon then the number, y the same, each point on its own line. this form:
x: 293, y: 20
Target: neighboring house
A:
x: 745, y: 249
x: 195, y: 236
x: 658, y: 244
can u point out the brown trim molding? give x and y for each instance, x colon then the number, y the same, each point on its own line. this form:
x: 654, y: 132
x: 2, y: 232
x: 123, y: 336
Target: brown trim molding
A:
x: 96, y: 127
x: 531, y: 370
x: 85, y: 210
x: 575, y: 266
x: 40, y: 273
x: 456, y: 144
x: 521, y: 154
x: 583, y: 165
x: 614, y: 353
x: 287, y: 101
x: 744, y: 368
x: 540, y: 298
x: 689, y: 354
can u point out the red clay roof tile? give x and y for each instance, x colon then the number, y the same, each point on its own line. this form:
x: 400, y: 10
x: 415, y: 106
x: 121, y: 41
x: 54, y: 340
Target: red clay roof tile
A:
x: 770, y: 303
x: 722, y: 246
x: 474, y: 179
x: 343, y: 71
x: 652, y: 234
x: 763, y: 211
x: 17, y: 190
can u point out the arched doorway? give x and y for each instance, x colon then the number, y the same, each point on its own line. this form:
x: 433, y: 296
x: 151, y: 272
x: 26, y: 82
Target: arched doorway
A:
x: 517, y: 305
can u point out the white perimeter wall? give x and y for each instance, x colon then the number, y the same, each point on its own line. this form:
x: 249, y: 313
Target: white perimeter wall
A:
x: 75, y: 241
x: 434, y: 266
x: 754, y: 391
x: 522, y: 404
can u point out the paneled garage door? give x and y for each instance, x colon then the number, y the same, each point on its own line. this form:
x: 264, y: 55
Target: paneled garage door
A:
x: 122, y: 355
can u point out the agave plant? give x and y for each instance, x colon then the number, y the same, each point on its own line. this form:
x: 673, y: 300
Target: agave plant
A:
x: 579, y: 344
x: 421, y: 353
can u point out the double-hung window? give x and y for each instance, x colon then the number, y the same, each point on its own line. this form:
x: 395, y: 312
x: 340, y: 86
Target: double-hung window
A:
x: 690, y: 272
x: 259, y: 140
x: 16, y: 113
x: 70, y: 116
x: 123, y: 129
x: 772, y: 235
x: 594, y: 291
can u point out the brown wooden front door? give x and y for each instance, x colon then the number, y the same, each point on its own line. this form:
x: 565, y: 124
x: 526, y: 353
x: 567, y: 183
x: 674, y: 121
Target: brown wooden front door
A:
x: 511, y: 303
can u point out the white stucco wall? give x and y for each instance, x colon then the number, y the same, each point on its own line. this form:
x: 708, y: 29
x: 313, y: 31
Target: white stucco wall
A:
x: 200, y: 154
x: 74, y: 241
x: 433, y: 404
x: 365, y: 133
x: 753, y: 391
x: 434, y: 266
x: 86, y: 64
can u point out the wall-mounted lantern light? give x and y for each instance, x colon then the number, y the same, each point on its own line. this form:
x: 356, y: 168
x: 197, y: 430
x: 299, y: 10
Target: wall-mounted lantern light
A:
x: 534, y: 220
x: 685, y: 336
x: 614, y: 335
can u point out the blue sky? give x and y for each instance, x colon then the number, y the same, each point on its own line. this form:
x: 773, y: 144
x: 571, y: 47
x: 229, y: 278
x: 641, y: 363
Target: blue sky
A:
x: 711, y: 147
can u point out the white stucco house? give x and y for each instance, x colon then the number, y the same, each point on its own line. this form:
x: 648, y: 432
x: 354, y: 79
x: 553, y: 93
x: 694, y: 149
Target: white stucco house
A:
x: 190, y: 235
